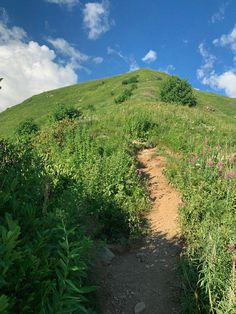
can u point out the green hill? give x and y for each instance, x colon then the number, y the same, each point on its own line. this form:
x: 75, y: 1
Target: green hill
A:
x: 99, y: 95
x: 74, y: 185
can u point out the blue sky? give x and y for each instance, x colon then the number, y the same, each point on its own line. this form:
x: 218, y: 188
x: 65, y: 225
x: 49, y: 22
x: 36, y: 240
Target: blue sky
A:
x: 46, y: 44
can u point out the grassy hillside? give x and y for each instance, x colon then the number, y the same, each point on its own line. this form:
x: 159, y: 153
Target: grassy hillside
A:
x: 76, y: 182
x: 100, y: 95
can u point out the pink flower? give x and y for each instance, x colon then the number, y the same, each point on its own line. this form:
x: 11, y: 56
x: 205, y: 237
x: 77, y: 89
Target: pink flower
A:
x: 210, y: 162
x: 231, y: 174
x: 231, y: 159
x: 220, y: 166
x: 193, y: 158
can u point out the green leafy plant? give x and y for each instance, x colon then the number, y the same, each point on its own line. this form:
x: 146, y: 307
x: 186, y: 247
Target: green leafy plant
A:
x: 65, y: 112
x: 176, y: 90
x: 27, y: 128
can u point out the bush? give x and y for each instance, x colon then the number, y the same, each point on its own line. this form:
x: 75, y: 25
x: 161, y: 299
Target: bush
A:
x: 175, y: 90
x: 127, y: 93
x: 63, y: 112
x: 27, y: 127
x: 130, y: 80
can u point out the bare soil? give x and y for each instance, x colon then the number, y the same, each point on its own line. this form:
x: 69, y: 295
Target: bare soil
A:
x: 147, y: 272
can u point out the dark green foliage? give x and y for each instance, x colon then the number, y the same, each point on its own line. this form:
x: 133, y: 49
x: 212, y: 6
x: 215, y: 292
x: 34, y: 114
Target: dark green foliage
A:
x: 65, y: 112
x: 174, y: 89
x: 127, y: 93
x: 43, y: 262
x: 130, y: 80
x: 57, y: 195
x: 27, y: 128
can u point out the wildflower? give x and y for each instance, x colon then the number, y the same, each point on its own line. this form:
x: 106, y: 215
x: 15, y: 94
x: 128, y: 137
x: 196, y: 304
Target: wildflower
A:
x: 230, y: 174
x: 193, y: 158
x: 220, y: 166
x: 231, y: 159
x: 231, y: 247
x: 210, y: 162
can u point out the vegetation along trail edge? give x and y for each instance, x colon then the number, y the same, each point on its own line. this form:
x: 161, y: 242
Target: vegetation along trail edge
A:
x: 146, y: 275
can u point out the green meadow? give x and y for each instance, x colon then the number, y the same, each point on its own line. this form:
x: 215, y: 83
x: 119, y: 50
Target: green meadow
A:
x: 74, y: 185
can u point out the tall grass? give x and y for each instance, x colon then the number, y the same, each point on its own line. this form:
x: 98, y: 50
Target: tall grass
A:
x: 75, y: 182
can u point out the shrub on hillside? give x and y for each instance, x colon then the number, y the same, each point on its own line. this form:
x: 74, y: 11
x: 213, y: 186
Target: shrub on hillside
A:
x: 130, y: 80
x: 127, y: 93
x: 176, y: 90
x: 27, y: 127
x: 63, y: 112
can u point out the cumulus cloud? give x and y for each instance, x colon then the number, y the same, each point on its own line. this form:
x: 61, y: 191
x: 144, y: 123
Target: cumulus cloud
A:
x: 96, y: 18
x: 227, y: 82
x: 132, y: 63
x: 69, y: 3
x: 207, y: 75
x: 219, y: 16
x: 28, y: 68
x: 227, y: 40
x: 151, y: 56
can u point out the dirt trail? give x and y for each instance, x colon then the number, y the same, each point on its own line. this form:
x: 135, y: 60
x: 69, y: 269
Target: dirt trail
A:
x: 148, y: 272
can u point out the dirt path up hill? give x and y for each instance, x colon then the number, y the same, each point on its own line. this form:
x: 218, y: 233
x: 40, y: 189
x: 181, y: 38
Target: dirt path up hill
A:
x: 148, y: 272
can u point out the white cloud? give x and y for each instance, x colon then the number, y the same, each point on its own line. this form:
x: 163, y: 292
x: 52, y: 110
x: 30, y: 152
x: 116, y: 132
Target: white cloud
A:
x: 207, y: 75
x: 206, y: 70
x: 219, y: 16
x: 69, y: 3
x: 66, y: 49
x: 227, y: 40
x: 111, y: 51
x: 96, y: 18
x: 28, y: 68
x: 168, y: 69
x: 151, y: 56
x: 98, y: 60
x: 227, y: 82
x: 133, y: 66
